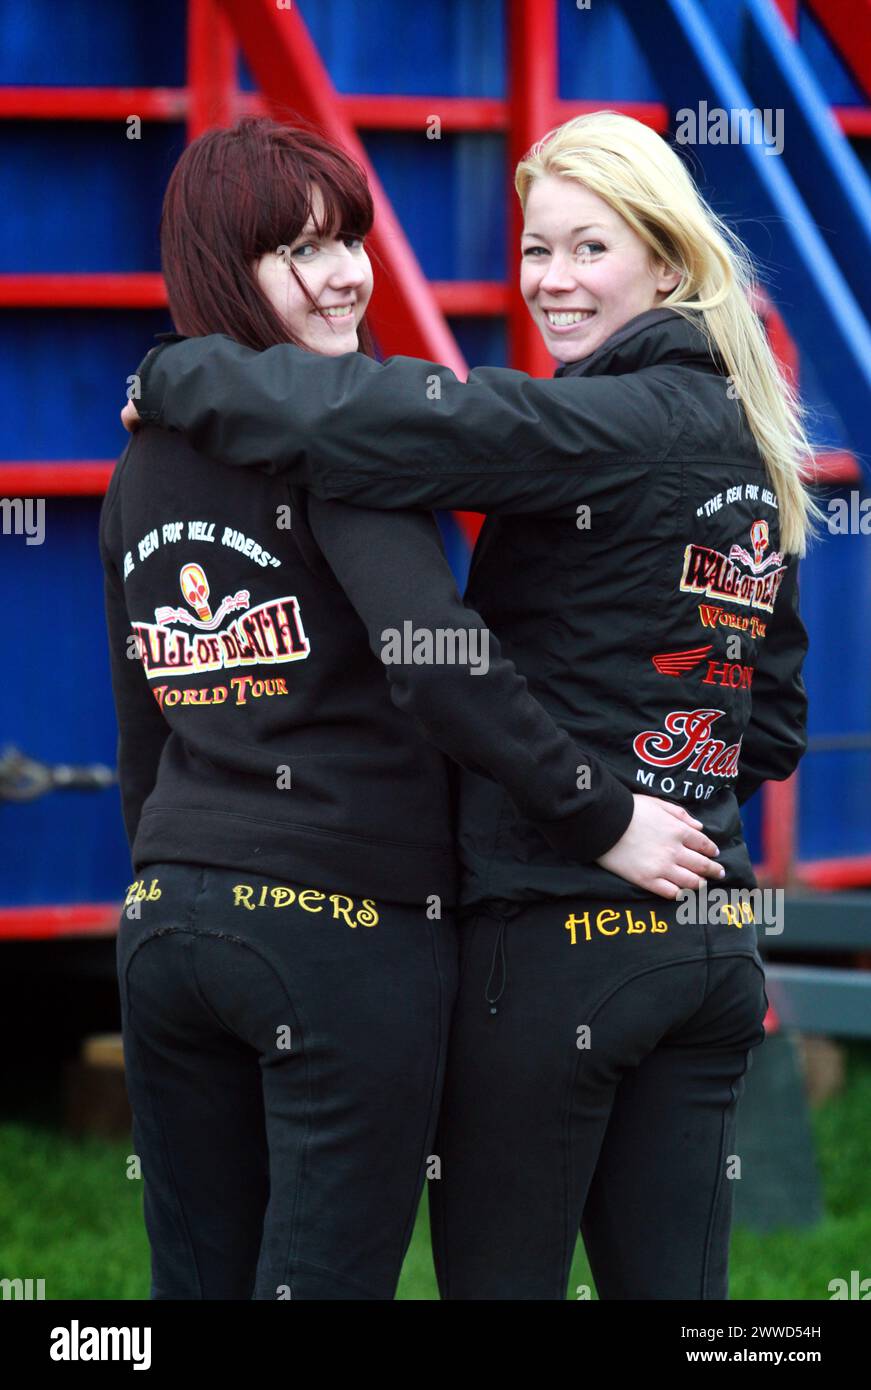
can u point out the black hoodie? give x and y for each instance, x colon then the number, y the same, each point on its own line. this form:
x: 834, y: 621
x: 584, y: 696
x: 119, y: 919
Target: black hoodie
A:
x: 276, y: 662
x: 632, y: 566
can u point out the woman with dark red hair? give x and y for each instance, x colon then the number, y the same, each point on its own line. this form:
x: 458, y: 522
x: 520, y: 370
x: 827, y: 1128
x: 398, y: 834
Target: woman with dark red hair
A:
x: 287, y: 954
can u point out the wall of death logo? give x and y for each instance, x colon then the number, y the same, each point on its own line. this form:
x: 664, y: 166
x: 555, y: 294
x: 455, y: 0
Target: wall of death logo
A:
x: 195, y: 640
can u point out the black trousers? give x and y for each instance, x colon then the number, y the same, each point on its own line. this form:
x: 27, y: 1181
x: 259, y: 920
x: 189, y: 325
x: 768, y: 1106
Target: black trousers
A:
x: 596, y: 1060
x: 284, y: 1051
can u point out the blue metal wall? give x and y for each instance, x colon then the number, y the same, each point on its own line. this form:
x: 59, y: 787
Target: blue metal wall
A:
x: 82, y: 197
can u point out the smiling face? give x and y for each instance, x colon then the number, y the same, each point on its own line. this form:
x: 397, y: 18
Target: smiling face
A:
x: 338, y: 275
x: 584, y: 272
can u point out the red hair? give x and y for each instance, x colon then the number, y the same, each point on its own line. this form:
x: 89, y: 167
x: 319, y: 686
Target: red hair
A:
x: 236, y: 195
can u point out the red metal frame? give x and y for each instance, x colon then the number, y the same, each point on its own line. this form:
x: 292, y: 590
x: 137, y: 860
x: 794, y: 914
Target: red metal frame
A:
x: 78, y: 478
x: 533, y: 88
x: 146, y: 290
x: 408, y: 314
x: 412, y: 113
x: 779, y: 825
x: 479, y: 298
x: 90, y: 477
x: 836, y: 468
x: 362, y: 111
x: 95, y: 290
x: 50, y: 921
x: 94, y: 103
x: 848, y: 25
x: 211, y: 68
x: 826, y: 874
x: 789, y: 13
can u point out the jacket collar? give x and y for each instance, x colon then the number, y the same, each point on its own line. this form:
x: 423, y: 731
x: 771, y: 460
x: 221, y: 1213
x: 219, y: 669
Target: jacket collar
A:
x: 657, y: 335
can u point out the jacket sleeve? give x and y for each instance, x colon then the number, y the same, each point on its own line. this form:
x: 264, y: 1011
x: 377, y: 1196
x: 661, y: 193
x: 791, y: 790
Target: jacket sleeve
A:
x: 142, y: 729
x: 407, y: 433
x: 394, y: 572
x: 776, y: 736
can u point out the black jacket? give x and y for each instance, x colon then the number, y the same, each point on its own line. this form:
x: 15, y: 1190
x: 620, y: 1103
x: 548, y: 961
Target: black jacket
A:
x: 257, y: 728
x: 633, y: 534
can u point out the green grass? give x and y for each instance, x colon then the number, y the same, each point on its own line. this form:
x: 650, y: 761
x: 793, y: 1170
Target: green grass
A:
x: 69, y: 1214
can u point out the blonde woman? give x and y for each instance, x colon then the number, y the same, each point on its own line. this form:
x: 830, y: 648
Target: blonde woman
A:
x: 640, y: 569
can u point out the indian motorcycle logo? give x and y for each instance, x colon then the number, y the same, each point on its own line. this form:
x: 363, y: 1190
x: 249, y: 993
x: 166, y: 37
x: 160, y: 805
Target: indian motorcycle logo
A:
x: 688, y: 740
x: 269, y: 633
x: 709, y: 572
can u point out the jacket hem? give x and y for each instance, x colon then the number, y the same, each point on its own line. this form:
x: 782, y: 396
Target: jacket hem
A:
x: 290, y: 853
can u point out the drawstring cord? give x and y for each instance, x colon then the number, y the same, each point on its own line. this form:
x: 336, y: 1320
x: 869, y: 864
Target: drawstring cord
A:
x: 498, y: 949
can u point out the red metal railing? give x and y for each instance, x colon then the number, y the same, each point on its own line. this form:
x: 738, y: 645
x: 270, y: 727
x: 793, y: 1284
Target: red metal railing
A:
x: 848, y: 24
x: 408, y: 313
x: 377, y: 112
x: 50, y: 921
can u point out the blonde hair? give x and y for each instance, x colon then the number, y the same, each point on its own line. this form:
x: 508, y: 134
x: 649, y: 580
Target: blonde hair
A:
x: 641, y: 177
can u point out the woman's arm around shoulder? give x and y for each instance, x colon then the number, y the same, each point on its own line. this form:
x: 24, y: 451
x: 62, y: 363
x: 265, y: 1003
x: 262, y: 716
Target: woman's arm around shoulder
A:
x: 407, y: 433
x: 479, y: 710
